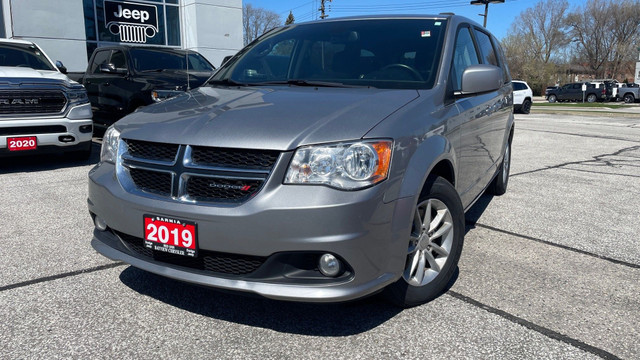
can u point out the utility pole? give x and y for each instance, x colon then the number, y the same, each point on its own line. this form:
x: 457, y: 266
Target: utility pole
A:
x: 486, y: 7
x: 322, y: 9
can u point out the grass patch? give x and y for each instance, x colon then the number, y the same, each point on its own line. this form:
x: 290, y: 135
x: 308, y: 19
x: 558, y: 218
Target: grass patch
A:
x: 609, y: 105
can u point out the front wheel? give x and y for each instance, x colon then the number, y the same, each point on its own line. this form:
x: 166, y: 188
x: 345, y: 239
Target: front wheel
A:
x: 552, y: 98
x: 629, y: 98
x: 434, y: 246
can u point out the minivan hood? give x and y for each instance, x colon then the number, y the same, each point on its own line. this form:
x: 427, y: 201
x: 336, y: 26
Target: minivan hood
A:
x: 276, y: 118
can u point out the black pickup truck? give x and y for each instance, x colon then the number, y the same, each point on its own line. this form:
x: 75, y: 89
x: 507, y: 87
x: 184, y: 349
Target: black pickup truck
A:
x: 120, y: 79
x: 573, y: 92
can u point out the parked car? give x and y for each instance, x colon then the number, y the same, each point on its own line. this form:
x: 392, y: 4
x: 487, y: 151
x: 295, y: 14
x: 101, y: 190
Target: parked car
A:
x: 121, y: 79
x: 573, y: 92
x: 41, y: 110
x: 325, y: 162
x: 522, y: 96
x: 629, y: 93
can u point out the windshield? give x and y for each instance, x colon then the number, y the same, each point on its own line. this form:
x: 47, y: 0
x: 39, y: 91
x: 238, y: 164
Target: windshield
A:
x: 381, y: 53
x: 150, y: 60
x: 24, y: 55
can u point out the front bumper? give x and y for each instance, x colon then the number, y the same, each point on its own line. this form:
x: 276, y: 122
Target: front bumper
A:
x: 61, y: 134
x: 281, y: 222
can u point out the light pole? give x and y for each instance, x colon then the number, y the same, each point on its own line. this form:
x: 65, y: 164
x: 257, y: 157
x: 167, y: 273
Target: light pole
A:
x: 486, y: 7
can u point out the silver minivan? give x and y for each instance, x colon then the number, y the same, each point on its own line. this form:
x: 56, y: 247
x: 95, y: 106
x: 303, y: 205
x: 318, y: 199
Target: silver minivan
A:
x: 324, y: 162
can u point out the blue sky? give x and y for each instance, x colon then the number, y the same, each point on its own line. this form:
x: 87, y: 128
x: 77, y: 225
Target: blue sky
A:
x: 499, y: 20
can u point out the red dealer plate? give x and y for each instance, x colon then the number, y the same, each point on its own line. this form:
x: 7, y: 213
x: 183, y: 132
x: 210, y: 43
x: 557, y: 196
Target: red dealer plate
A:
x: 170, y: 235
x: 22, y: 143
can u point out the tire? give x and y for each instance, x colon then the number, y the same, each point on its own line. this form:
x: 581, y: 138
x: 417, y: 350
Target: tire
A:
x: 552, y: 98
x: 81, y: 155
x: 499, y: 184
x: 526, y: 106
x: 434, y: 246
x: 629, y: 98
x: 591, y: 98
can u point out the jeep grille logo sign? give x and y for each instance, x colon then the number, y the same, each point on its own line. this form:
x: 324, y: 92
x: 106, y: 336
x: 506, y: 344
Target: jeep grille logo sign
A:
x: 134, y: 22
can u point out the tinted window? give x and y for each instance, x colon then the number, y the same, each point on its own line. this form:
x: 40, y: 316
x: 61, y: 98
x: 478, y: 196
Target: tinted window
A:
x: 519, y: 86
x: 486, y: 48
x: 153, y: 60
x: 24, y: 55
x: 378, y: 53
x: 118, y: 60
x: 464, y: 55
x: 102, y: 57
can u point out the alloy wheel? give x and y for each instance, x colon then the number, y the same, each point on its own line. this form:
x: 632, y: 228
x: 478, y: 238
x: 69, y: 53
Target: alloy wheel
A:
x: 430, y: 242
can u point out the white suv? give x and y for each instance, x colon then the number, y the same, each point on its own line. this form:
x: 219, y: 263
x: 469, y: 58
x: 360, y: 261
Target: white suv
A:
x: 522, y: 96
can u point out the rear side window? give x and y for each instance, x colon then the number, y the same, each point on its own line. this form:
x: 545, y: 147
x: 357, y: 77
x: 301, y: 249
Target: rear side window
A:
x: 486, y: 48
x: 519, y: 86
x: 464, y: 56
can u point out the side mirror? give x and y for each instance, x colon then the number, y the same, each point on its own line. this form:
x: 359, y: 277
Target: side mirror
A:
x: 480, y: 79
x: 61, y: 67
x: 111, y: 69
x: 226, y: 58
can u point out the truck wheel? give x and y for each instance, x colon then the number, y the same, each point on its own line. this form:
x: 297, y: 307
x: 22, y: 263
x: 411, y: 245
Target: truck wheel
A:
x: 552, y: 98
x: 591, y: 98
x: 434, y: 246
x: 629, y: 98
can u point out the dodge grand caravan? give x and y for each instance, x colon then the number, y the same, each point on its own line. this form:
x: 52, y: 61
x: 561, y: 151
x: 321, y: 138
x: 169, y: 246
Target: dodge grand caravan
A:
x: 324, y: 162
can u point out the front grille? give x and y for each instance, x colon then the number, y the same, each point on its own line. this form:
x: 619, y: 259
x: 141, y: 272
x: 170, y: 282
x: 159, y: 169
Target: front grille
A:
x: 235, y: 158
x: 217, y: 189
x: 28, y: 130
x: 210, y: 261
x: 20, y: 102
x: 195, y: 173
x: 152, y: 181
x: 152, y: 150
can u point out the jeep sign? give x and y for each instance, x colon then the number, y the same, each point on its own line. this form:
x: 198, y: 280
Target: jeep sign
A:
x: 134, y: 22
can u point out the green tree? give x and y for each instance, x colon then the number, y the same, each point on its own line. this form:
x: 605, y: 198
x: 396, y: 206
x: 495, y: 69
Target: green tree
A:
x: 290, y: 19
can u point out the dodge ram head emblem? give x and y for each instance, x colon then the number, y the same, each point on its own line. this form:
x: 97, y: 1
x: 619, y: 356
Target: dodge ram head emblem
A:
x: 134, y: 22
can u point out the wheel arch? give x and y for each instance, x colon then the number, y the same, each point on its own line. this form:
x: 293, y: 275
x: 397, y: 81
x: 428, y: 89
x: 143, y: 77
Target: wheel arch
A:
x: 435, y: 156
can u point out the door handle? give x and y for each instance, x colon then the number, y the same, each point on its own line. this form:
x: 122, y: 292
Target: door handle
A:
x: 106, y: 84
x: 87, y: 81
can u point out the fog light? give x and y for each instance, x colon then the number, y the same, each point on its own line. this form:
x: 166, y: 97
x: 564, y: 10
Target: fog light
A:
x: 100, y: 223
x: 329, y: 265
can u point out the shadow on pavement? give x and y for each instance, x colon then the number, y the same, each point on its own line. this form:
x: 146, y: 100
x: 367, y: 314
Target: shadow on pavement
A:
x: 43, y: 162
x: 341, y: 319
x: 475, y: 212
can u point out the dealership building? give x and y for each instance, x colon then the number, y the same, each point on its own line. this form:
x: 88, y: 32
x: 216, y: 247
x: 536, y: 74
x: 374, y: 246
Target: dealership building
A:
x: 69, y: 30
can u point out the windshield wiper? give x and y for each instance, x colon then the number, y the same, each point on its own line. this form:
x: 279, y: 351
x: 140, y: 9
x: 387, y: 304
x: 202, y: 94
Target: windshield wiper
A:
x: 227, y: 82
x: 300, y: 82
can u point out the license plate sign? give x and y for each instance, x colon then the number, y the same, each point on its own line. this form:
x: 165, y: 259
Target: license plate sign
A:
x: 170, y: 235
x: 22, y: 143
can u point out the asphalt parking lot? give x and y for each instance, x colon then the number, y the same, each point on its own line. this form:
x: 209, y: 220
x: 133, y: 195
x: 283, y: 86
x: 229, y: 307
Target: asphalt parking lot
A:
x: 549, y: 270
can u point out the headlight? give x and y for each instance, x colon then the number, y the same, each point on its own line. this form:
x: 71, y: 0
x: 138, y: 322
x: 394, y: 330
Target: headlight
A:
x: 110, y: 140
x: 347, y: 166
x: 159, y: 95
x: 77, y: 96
